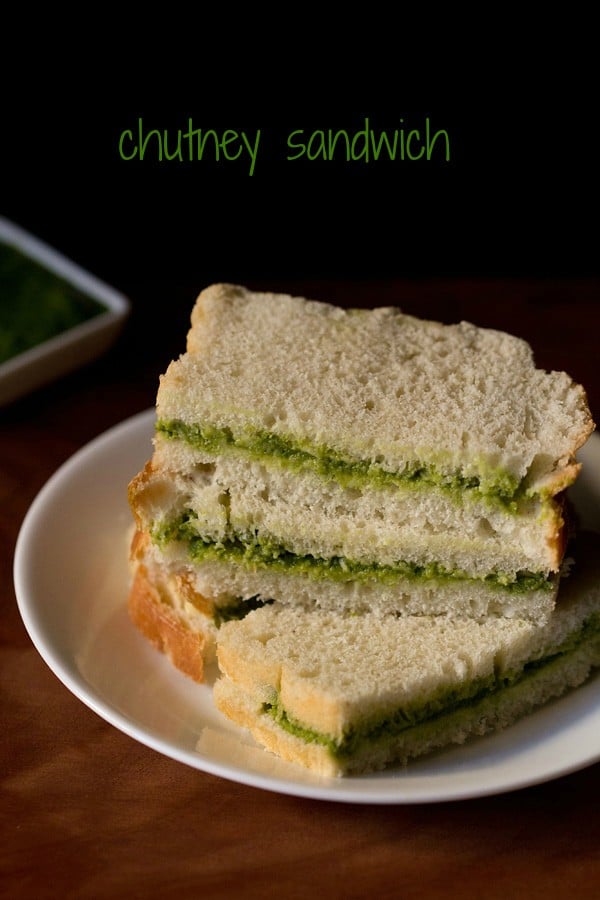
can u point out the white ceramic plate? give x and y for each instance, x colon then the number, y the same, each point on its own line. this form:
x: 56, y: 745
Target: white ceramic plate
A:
x: 72, y: 348
x: 71, y: 581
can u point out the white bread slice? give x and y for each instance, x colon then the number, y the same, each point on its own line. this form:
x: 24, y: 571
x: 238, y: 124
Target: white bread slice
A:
x: 377, y: 386
x: 340, y: 678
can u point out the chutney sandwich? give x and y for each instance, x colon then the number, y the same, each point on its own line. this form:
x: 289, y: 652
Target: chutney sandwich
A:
x: 346, y: 695
x: 315, y: 466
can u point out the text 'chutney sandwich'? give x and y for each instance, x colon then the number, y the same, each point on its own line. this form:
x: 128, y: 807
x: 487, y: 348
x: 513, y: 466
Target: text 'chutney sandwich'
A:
x: 363, y: 514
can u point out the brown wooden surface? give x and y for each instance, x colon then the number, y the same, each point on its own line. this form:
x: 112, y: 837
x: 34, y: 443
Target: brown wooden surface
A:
x: 85, y: 811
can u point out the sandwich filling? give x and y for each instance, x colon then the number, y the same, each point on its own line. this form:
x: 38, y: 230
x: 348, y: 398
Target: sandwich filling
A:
x: 251, y: 550
x: 495, y: 486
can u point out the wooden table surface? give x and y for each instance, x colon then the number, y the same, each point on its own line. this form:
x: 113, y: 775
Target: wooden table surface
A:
x: 88, y: 812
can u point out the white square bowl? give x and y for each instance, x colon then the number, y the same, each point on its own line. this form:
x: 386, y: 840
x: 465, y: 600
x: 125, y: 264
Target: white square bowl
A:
x: 49, y: 360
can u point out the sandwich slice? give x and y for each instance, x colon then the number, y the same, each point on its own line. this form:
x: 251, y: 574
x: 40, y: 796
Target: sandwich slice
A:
x: 351, y: 461
x: 349, y: 694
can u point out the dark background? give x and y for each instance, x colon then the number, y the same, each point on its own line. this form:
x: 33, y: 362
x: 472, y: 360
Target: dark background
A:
x: 518, y: 199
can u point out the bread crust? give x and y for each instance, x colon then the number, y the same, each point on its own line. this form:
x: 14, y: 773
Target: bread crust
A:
x: 232, y: 704
x: 149, y: 611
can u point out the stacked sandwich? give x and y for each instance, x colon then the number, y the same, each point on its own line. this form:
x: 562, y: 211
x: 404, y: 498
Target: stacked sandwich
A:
x: 363, y: 513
